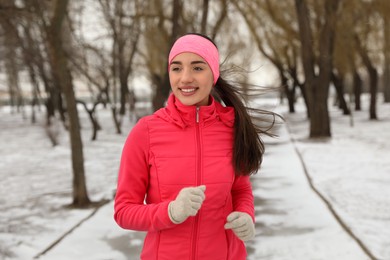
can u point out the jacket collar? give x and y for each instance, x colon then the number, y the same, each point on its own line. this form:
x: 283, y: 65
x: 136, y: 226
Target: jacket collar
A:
x: 184, y: 116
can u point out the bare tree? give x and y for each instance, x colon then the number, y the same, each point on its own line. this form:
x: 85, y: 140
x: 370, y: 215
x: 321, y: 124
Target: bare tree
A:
x: 35, y: 26
x: 344, y: 57
x: 62, y: 73
x: 123, y: 20
x: 346, y: 61
x: 338, y: 81
x: 366, y: 28
x: 373, y: 76
x: 276, y: 40
x: 11, y: 58
x: 317, y: 85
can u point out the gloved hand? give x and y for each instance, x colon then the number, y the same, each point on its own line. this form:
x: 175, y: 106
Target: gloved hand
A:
x: 242, y: 225
x: 187, y: 203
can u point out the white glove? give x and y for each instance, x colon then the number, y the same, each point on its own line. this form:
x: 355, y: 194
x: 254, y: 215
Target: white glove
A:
x: 187, y: 203
x: 242, y: 225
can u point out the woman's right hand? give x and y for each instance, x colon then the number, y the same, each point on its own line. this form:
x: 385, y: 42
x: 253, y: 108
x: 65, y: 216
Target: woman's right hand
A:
x: 187, y: 203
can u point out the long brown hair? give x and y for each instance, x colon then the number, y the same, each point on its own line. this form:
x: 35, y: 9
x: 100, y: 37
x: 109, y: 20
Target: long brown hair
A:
x: 248, y: 147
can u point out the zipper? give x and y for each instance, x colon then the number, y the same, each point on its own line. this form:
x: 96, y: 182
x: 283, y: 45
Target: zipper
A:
x: 197, y: 116
x: 199, y: 148
x: 198, y: 181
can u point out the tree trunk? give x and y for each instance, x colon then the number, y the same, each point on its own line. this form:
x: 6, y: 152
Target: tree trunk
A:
x: 117, y: 121
x: 373, y: 92
x: 289, y: 92
x: 386, y: 73
x: 373, y: 75
x: 357, y: 89
x: 124, y: 92
x: 339, y: 86
x: 317, y: 86
x: 320, y: 126
x: 48, y: 86
x: 301, y: 86
x: 308, y: 55
x: 319, y: 119
x: 59, y: 60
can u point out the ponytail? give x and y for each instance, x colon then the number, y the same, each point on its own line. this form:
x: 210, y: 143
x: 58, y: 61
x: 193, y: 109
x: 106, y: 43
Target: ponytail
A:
x: 248, y: 147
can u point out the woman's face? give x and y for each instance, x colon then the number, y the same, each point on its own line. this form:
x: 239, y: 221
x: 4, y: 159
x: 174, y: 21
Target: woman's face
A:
x: 191, y: 79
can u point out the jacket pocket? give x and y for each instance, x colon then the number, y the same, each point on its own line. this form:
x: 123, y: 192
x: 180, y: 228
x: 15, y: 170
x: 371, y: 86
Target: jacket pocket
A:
x: 173, y: 174
x: 218, y: 176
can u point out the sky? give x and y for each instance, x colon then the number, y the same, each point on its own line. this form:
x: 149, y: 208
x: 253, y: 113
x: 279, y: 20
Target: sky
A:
x: 351, y: 171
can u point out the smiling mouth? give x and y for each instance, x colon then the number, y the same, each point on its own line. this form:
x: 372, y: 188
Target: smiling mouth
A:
x: 188, y: 90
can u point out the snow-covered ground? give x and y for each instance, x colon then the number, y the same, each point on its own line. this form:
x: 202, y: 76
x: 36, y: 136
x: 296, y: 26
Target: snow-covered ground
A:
x: 351, y: 170
x: 36, y: 180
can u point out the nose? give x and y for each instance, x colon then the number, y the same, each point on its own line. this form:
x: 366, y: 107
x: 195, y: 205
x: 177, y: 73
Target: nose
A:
x: 187, y: 76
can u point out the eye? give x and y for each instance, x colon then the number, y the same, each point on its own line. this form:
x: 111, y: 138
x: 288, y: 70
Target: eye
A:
x: 198, y: 68
x: 175, y: 68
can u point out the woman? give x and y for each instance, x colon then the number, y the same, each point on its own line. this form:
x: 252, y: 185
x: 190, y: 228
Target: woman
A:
x: 184, y: 173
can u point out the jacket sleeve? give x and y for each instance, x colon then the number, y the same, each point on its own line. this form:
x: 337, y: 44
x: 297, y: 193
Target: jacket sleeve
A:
x: 242, y: 196
x: 133, y: 179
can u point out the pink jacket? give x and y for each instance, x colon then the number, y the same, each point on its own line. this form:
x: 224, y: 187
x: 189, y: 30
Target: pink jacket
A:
x: 176, y: 147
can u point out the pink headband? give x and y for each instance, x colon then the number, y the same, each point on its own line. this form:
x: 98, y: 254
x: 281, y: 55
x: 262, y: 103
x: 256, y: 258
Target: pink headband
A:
x: 200, y: 46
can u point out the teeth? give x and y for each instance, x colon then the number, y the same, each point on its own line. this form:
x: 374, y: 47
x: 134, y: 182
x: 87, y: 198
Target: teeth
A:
x: 188, y: 90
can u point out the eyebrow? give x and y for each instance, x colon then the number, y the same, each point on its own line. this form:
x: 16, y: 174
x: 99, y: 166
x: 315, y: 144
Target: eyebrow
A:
x: 192, y: 62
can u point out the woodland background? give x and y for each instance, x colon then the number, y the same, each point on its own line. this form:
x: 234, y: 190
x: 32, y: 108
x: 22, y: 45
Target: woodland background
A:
x: 60, y: 56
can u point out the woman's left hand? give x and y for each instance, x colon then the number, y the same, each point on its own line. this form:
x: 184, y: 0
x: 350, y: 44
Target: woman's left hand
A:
x: 242, y: 225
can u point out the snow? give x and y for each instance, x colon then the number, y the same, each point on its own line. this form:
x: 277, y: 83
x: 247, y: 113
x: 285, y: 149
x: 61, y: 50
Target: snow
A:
x: 351, y: 171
